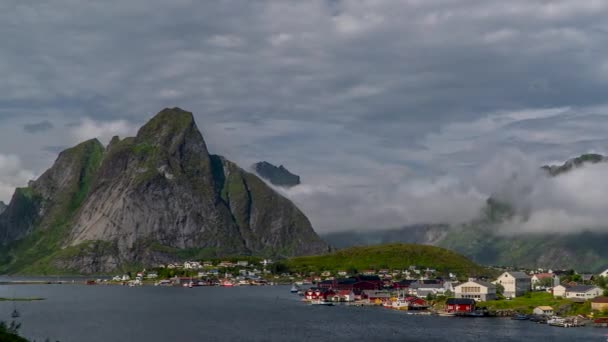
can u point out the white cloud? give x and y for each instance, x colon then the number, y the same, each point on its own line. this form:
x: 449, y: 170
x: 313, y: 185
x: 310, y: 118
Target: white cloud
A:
x: 12, y: 175
x: 89, y: 128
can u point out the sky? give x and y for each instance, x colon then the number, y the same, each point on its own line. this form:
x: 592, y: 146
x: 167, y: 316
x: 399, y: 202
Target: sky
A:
x: 392, y: 112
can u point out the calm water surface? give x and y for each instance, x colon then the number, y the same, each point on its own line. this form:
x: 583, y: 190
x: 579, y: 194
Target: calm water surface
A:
x: 73, y: 313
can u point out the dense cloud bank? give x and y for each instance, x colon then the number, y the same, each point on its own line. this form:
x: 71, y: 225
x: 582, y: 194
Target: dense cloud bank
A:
x: 389, y: 110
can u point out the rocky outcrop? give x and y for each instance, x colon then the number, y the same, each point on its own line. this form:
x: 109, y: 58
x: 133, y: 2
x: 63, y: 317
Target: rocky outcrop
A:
x: 278, y: 176
x: 570, y: 164
x: 145, y: 198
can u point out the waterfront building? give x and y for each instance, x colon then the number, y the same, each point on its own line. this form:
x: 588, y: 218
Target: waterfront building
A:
x: 543, y: 310
x: 515, y: 284
x: 599, y: 304
x: 456, y: 305
x: 476, y: 289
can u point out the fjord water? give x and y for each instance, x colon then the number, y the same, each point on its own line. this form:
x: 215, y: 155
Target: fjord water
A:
x: 75, y: 313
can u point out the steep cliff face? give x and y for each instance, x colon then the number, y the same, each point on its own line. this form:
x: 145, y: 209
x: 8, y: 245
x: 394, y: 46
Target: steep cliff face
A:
x: 145, y: 200
x: 2, y: 207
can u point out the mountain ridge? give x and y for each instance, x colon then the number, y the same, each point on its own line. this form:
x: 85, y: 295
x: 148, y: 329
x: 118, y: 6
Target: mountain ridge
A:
x: 143, y: 200
x: 278, y: 176
x: 480, y: 241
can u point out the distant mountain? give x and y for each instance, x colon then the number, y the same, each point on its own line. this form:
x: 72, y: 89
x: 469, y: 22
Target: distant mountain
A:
x: 419, y: 234
x: 2, y: 207
x: 153, y: 198
x: 480, y: 240
x: 278, y: 176
x: 569, y: 165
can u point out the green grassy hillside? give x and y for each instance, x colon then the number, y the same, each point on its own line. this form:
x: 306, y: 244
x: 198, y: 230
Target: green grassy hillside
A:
x: 392, y: 256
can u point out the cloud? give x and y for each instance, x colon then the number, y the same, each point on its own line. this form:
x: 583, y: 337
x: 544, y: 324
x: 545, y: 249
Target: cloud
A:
x: 12, y: 175
x: 388, y: 205
x: 89, y: 128
x: 38, y: 127
x: 569, y: 203
x: 373, y: 99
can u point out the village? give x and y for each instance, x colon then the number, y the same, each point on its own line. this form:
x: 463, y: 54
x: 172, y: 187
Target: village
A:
x: 556, y: 297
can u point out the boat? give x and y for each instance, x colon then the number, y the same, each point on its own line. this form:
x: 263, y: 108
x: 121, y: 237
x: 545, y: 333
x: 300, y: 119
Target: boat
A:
x: 321, y: 302
x: 520, y: 317
x: 294, y: 289
x: 446, y: 314
x: 226, y: 283
x: 601, y: 322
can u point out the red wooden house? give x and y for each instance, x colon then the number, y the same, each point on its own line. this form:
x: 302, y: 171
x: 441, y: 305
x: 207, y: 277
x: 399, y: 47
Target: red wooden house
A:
x: 460, y: 305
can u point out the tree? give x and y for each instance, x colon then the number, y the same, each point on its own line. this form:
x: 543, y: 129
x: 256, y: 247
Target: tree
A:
x: 500, y: 290
x: 605, y: 292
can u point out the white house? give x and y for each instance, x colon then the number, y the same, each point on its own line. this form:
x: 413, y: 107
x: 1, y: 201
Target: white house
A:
x: 475, y: 289
x: 539, y: 277
x: 543, y: 310
x: 559, y: 291
x: 515, y: 284
x: 583, y: 292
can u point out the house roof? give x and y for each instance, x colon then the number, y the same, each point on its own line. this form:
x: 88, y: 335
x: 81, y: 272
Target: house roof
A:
x: 587, y: 276
x: 427, y: 286
x: 460, y: 301
x: 544, y: 308
x: 519, y: 275
x: 581, y: 288
x: 478, y: 282
x: 544, y: 275
x: 600, y: 300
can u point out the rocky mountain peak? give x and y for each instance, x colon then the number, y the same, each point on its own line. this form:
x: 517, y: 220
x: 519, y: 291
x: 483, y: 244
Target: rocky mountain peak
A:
x: 143, y: 200
x: 278, y: 176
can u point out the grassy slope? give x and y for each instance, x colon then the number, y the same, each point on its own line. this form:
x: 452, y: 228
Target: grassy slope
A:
x: 526, y: 304
x: 392, y: 256
x: 34, y: 253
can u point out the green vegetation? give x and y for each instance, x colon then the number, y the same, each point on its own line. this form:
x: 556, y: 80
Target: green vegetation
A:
x: 34, y: 253
x: 527, y: 303
x: 393, y: 256
x: 9, y: 333
x: 29, y: 299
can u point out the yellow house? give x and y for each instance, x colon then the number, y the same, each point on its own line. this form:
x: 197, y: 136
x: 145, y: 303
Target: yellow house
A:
x: 599, y: 304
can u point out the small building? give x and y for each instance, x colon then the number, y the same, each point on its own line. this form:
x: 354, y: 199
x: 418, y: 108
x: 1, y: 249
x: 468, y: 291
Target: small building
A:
x: 514, y: 283
x: 543, y: 310
x: 587, y: 277
x: 377, y: 297
x: 460, y: 305
x: 583, y: 292
x: 344, y: 296
x: 599, y: 304
x: 604, y: 274
x: 560, y: 291
x: 538, y: 278
x: 476, y: 289
x: 423, y: 290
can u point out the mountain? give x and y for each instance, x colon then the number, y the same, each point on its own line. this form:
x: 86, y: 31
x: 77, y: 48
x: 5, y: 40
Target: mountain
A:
x: 153, y: 198
x: 419, y: 234
x: 390, y: 256
x: 278, y: 176
x: 481, y: 241
x: 2, y: 207
x: 569, y: 165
